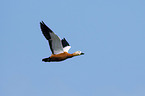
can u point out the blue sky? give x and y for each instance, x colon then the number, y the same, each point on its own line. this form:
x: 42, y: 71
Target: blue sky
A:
x: 111, y: 33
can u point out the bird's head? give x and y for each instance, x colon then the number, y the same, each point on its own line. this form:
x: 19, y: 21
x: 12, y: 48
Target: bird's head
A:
x: 77, y: 53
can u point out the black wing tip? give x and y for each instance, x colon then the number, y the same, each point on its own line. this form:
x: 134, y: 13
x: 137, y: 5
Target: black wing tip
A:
x: 42, y: 23
x: 63, y: 39
x: 64, y: 42
x: 45, y: 30
x: 44, y: 26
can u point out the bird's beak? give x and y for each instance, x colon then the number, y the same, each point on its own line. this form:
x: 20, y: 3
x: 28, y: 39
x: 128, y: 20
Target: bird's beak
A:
x: 82, y: 53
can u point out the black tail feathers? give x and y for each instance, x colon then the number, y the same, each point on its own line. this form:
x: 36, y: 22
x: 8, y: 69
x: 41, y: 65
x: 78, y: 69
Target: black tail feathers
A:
x: 46, y: 59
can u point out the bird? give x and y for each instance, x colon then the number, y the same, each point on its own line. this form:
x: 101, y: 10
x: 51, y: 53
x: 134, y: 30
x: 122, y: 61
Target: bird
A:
x: 58, y: 47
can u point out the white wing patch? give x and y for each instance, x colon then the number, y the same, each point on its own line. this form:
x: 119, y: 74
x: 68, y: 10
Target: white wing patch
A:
x: 66, y: 49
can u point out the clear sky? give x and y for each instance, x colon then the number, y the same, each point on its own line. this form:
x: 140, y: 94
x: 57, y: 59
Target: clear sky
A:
x: 111, y: 33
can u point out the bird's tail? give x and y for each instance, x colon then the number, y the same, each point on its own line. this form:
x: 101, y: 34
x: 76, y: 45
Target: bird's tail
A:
x: 46, y: 59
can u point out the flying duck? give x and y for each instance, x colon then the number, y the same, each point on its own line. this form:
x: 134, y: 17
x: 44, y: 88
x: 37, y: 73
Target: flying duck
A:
x: 58, y: 47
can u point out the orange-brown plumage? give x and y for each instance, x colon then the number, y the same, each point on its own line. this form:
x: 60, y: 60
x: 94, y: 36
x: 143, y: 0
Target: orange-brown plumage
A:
x: 65, y: 55
x: 60, y: 57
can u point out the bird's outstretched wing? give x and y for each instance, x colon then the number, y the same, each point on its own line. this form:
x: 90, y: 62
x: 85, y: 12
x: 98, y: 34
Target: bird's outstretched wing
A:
x: 54, y: 41
x: 65, y: 45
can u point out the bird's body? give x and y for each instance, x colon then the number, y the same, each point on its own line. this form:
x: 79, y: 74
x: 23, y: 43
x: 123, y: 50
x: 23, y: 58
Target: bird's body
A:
x: 58, y: 47
x: 58, y: 57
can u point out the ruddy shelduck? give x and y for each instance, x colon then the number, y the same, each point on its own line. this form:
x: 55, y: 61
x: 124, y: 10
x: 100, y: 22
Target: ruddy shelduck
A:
x: 59, y: 48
